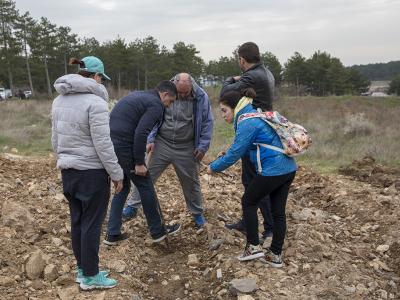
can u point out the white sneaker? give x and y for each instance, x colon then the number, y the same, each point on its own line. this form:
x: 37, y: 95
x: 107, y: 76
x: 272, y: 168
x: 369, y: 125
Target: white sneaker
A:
x: 251, y: 252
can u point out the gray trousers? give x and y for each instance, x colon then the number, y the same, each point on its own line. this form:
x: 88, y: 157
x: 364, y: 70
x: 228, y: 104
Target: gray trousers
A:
x: 186, y: 168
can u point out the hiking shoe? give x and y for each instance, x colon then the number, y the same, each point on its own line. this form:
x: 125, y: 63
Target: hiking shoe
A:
x: 169, y: 229
x: 274, y: 260
x: 98, y: 281
x: 129, y: 212
x: 239, y: 226
x: 266, y: 234
x: 199, y: 220
x: 112, y: 240
x: 251, y: 252
x: 79, y: 275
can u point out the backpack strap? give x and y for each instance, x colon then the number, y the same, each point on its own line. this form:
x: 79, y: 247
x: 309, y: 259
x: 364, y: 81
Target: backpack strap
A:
x: 271, y: 147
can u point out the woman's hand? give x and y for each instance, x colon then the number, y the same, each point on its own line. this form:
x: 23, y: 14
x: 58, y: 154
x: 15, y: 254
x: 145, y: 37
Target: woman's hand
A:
x: 209, y: 171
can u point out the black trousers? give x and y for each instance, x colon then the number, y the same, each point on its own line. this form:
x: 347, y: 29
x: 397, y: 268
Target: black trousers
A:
x: 88, y: 193
x: 248, y: 173
x: 277, y: 187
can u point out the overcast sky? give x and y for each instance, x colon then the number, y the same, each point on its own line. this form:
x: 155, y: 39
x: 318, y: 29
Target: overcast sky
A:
x: 356, y: 31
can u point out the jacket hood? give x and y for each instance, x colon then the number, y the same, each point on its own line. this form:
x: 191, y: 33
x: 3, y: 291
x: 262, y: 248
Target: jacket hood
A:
x: 77, y: 84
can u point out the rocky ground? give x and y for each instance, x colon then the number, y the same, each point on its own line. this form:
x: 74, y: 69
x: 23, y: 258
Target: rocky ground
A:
x: 343, y: 240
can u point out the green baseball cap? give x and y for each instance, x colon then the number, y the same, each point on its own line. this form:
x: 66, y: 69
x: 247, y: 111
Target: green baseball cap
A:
x: 94, y: 65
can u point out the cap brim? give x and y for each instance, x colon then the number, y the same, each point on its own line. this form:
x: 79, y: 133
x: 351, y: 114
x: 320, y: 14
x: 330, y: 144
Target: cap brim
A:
x: 105, y: 76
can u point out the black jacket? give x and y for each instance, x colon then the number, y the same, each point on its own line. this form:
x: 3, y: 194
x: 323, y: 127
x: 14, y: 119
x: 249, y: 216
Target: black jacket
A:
x: 260, y: 79
x: 132, y: 119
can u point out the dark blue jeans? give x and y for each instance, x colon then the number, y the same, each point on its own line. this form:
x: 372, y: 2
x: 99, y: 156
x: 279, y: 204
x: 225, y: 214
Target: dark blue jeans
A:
x: 248, y: 173
x: 145, y: 186
x: 88, y: 192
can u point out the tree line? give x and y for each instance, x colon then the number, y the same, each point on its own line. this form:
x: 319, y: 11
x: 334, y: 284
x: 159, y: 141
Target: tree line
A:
x: 35, y: 52
x: 379, y: 71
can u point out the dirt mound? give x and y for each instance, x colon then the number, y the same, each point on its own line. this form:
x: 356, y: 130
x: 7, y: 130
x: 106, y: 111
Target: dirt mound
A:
x: 342, y: 242
x: 368, y: 170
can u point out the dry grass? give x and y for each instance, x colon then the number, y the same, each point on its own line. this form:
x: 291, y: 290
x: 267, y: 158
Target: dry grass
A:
x: 25, y: 125
x: 342, y: 128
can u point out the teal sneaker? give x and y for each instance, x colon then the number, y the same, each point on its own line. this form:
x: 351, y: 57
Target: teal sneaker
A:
x: 98, y: 281
x: 79, y: 275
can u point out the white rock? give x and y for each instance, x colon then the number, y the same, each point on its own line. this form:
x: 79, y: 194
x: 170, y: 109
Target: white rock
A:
x: 244, y: 285
x: 382, y: 248
x: 245, y: 297
x: 117, y: 265
x: 193, y: 260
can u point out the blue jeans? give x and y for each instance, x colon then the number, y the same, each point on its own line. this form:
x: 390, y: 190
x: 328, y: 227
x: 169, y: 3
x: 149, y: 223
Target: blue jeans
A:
x: 144, y: 184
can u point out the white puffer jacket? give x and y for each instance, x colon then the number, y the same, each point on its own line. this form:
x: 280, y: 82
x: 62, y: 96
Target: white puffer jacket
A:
x: 80, y: 126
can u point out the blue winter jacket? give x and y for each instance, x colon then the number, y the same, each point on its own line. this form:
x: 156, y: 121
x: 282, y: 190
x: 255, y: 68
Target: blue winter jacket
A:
x: 204, y: 121
x: 247, y: 133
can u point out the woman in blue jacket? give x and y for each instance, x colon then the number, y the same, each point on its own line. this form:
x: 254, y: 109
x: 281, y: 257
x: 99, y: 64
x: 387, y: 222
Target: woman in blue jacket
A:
x: 275, y: 173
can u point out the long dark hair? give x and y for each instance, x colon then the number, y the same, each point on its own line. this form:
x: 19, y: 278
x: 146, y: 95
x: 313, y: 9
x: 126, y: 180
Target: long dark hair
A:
x: 75, y: 61
x: 231, y: 98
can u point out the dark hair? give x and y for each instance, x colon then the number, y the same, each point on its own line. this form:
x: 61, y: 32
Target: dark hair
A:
x: 231, y: 98
x: 75, y: 61
x: 167, y: 86
x: 250, y: 52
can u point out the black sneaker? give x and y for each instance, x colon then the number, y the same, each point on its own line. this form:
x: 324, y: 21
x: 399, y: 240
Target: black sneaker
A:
x: 112, y: 240
x: 169, y: 229
x: 239, y: 226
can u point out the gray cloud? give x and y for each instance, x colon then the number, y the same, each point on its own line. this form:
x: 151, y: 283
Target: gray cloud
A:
x: 356, y: 31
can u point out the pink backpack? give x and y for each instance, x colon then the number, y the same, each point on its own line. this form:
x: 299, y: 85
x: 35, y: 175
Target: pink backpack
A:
x: 294, y: 137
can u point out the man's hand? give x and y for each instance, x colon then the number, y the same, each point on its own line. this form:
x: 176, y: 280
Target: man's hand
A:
x: 236, y: 78
x: 198, y: 155
x: 209, y: 171
x: 140, y: 170
x: 222, y: 153
x: 118, y: 185
x: 149, y: 147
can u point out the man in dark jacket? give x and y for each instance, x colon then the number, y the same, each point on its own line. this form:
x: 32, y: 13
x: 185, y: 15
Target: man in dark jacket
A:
x: 257, y: 76
x: 131, y: 121
x: 182, y: 140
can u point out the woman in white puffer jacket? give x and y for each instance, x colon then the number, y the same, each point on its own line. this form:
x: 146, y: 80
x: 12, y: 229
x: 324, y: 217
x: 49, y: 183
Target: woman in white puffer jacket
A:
x: 86, y: 157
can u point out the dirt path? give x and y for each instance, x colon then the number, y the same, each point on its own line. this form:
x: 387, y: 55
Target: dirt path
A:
x: 343, y: 241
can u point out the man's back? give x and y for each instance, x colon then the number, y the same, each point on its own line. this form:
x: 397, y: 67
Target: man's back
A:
x: 127, y: 113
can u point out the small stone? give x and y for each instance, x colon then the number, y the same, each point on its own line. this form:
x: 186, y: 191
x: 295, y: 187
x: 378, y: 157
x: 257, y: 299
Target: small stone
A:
x: 101, y: 296
x: 193, y: 260
x: 35, y: 265
x: 135, y: 297
x: 19, y: 182
x: 14, y: 150
x: 50, y: 272
x: 383, y: 293
x: 244, y: 285
x: 6, y: 281
x: 219, y: 274
x: 37, y: 284
x: 176, y: 278
x: 349, y: 289
x: 215, y: 244
x: 118, y: 265
x: 164, y: 282
x: 56, y: 241
x: 245, y: 297
x: 68, y: 293
x: 382, y: 248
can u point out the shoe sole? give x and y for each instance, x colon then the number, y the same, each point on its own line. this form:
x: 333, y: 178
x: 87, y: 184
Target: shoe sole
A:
x: 274, y: 265
x: 165, y: 235
x: 250, y: 257
x: 92, y: 287
x: 108, y: 243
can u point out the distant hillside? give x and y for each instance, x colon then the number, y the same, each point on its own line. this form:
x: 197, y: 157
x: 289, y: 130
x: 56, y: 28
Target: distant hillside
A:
x: 380, y: 71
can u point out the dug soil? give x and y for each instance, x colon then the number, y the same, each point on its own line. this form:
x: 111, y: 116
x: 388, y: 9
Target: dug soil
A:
x: 343, y: 240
